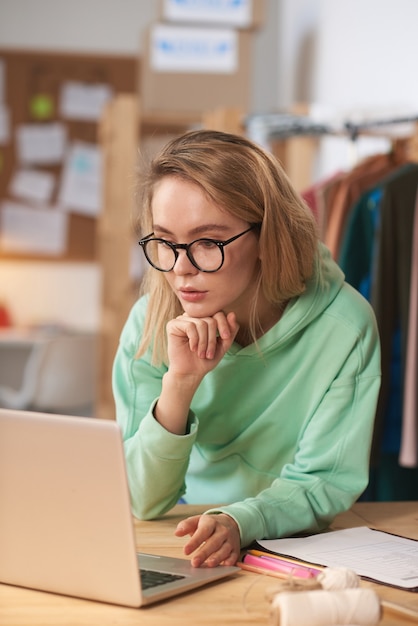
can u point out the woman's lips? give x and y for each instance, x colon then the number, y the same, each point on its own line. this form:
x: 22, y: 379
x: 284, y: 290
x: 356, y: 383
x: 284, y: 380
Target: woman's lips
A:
x: 190, y: 295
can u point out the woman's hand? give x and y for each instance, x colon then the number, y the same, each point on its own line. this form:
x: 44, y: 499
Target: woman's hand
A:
x: 197, y: 344
x: 215, y: 539
x: 195, y: 347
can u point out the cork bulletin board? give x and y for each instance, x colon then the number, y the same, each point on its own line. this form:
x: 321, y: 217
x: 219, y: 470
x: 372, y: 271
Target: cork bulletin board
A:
x: 32, y: 85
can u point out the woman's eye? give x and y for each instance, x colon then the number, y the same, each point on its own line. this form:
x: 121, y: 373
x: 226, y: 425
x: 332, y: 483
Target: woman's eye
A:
x: 164, y: 244
x: 207, y: 243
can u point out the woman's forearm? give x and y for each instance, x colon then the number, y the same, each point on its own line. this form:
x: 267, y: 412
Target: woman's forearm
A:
x: 173, y: 406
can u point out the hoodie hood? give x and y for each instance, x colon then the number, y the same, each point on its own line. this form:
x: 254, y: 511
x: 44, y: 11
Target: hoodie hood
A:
x: 321, y: 289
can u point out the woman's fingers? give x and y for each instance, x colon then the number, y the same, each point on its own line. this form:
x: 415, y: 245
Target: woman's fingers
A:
x: 214, y: 539
x: 206, y: 335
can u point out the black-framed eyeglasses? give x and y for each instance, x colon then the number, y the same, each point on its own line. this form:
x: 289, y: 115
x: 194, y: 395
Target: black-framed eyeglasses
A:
x: 207, y: 255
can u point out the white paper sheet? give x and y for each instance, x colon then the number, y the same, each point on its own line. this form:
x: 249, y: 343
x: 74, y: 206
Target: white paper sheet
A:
x: 4, y: 125
x: 29, y: 230
x: 2, y: 81
x: 80, y: 101
x: 32, y: 185
x: 41, y: 144
x: 370, y: 553
x: 82, y: 180
x: 188, y: 49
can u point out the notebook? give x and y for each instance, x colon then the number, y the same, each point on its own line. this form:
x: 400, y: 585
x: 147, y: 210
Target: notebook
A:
x: 65, y: 519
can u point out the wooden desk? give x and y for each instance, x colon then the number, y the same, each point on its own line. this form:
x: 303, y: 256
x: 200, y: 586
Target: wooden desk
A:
x: 242, y: 599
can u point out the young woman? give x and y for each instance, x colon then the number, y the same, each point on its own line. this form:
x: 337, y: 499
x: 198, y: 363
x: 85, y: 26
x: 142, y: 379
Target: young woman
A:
x: 247, y: 375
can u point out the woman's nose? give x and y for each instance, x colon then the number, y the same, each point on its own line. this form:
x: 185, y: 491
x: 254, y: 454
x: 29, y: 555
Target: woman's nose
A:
x: 183, y: 264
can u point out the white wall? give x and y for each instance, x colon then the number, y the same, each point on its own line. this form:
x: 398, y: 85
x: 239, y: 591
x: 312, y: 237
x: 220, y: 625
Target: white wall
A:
x: 367, y: 53
x: 298, y: 32
x: 349, y: 54
x: 110, y: 26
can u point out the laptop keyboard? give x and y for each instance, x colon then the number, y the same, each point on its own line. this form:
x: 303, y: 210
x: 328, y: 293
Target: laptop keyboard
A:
x: 150, y: 578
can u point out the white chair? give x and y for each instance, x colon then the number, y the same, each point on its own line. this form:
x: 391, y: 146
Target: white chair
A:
x: 54, y: 373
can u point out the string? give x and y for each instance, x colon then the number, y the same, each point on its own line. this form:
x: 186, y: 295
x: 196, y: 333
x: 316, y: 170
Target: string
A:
x: 247, y: 592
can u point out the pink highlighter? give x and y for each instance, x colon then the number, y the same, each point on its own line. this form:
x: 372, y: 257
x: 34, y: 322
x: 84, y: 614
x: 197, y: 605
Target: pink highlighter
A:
x: 274, y: 564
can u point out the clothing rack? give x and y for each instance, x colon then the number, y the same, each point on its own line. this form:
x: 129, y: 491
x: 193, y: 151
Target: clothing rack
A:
x: 294, y: 137
x: 285, y: 125
x: 355, y: 129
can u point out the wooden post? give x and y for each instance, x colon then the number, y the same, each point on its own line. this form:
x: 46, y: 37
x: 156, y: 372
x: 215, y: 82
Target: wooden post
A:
x: 297, y: 156
x: 223, y: 119
x: 119, y: 137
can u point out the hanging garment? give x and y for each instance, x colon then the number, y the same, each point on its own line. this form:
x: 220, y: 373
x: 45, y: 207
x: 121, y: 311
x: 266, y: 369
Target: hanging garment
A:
x: 350, y: 188
x: 319, y: 197
x: 359, y: 237
x: 408, y: 456
x: 390, y: 288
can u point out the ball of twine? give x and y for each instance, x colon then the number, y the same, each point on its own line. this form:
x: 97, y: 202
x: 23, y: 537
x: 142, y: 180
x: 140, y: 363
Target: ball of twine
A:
x: 333, y: 596
x: 339, y: 590
x: 327, y: 608
x: 336, y: 578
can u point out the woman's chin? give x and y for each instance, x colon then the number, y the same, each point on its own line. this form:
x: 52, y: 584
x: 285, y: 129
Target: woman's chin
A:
x: 198, y: 310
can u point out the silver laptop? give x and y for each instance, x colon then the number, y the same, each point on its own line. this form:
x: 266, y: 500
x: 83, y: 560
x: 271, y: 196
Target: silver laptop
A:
x: 65, y: 518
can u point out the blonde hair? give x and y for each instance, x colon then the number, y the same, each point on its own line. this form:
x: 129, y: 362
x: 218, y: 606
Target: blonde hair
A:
x: 250, y: 184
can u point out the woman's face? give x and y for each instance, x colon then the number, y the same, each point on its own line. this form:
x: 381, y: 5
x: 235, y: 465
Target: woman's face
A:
x: 182, y: 213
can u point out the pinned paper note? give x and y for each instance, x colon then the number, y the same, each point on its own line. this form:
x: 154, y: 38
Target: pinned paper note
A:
x: 42, y: 144
x: 2, y: 81
x: 4, y: 125
x: 80, y: 101
x: 82, y: 180
x: 187, y: 49
x: 32, y: 185
x: 28, y: 230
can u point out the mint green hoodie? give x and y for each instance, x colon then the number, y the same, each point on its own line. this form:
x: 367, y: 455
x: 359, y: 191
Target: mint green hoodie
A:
x: 279, y: 434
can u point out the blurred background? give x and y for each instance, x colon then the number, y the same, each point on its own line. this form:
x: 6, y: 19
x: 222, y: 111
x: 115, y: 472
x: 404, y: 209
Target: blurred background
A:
x: 348, y: 57
x: 88, y: 85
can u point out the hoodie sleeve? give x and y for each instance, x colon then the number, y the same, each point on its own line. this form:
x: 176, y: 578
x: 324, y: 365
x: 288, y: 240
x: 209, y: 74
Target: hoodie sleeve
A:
x: 156, y: 460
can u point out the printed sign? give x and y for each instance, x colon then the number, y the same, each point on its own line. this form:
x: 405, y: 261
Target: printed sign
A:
x: 187, y: 49
x: 226, y: 12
